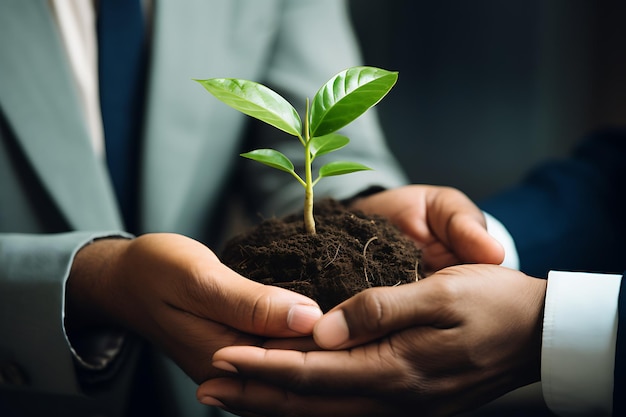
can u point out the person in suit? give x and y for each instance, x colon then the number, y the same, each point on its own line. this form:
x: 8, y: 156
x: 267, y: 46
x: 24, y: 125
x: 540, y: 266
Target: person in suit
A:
x: 105, y: 268
x: 470, y: 333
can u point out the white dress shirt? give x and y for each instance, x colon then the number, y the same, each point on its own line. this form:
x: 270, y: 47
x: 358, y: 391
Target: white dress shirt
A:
x: 579, y: 336
x: 77, y: 26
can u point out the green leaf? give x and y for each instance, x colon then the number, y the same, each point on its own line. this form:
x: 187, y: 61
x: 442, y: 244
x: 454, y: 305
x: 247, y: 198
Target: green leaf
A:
x: 341, y: 167
x: 271, y: 158
x: 321, y: 145
x: 255, y: 100
x: 348, y: 95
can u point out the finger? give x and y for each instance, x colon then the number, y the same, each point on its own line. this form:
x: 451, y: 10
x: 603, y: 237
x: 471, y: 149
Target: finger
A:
x: 303, y: 344
x: 439, y: 254
x: 436, y: 256
x: 190, y: 341
x: 260, y: 309
x: 471, y: 242
x: 376, y: 312
x: 405, y: 207
x: 461, y: 226
x: 319, y: 372
x: 253, y: 398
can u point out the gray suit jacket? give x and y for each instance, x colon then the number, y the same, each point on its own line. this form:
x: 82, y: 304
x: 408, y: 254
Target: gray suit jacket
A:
x: 56, y: 196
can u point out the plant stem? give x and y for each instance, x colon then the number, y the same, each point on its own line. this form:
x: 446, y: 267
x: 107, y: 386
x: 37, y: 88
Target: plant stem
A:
x: 309, y: 220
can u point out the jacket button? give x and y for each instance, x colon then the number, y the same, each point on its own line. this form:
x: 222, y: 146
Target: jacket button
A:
x: 11, y: 374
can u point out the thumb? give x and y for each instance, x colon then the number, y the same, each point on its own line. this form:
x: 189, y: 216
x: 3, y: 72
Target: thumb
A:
x: 376, y: 312
x: 263, y: 309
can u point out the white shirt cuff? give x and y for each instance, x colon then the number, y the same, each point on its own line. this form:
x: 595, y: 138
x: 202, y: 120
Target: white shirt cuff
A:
x: 578, y: 348
x: 499, y: 232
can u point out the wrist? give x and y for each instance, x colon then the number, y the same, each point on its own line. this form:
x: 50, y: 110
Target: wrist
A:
x: 538, y: 300
x: 90, y: 289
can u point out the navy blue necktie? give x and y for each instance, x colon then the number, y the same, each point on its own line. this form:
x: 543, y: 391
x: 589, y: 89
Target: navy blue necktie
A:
x: 121, y: 58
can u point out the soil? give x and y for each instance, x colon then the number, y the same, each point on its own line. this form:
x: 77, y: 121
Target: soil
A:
x: 350, y: 252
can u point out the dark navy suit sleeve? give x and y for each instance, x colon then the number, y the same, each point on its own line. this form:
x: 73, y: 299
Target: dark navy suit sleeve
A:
x: 569, y: 214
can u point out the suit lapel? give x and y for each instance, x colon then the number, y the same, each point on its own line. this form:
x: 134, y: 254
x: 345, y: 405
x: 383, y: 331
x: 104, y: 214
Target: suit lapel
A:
x: 38, y: 96
x: 178, y: 111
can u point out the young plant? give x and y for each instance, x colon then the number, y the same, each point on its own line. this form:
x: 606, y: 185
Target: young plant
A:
x: 345, y: 97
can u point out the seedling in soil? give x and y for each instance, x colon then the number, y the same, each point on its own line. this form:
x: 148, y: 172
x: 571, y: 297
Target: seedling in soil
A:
x: 344, y: 98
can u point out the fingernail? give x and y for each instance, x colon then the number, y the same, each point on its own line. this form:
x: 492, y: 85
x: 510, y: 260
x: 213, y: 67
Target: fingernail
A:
x: 332, y: 330
x: 302, y: 318
x: 206, y: 400
x: 225, y: 366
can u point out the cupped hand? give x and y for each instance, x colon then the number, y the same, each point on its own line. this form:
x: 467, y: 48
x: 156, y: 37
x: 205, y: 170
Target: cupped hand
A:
x: 175, y: 292
x: 448, y: 343
x: 448, y: 227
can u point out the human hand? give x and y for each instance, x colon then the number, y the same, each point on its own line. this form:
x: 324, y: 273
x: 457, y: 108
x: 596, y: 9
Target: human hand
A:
x: 175, y: 292
x: 445, y: 344
x: 448, y: 227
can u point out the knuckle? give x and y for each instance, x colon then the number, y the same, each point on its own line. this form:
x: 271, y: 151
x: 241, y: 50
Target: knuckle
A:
x: 446, y: 286
x: 261, y: 313
x: 373, y: 310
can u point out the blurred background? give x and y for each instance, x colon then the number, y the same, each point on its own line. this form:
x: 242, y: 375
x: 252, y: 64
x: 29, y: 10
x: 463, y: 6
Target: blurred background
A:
x: 488, y: 88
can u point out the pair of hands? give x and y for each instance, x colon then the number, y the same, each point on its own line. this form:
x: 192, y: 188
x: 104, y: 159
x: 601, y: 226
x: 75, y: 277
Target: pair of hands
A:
x: 456, y: 340
x: 449, y: 343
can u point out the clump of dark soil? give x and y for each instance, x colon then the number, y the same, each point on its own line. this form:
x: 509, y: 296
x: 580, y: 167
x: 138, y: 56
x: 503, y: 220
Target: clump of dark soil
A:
x: 350, y: 252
